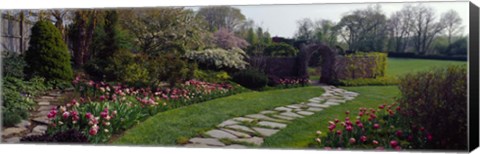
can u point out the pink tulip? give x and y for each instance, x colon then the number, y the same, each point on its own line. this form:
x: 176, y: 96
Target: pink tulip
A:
x: 336, y: 120
x: 398, y: 148
x: 347, y: 112
x: 399, y: 133
x: 339, y: 132
x: 376, y: 126
x: 394, y: 143
x: 102, y: 97
x: 349, y: 128
x: 429, y: 137
x: 375, y: 142
x: 65, y: 115
x: 363, y: 138
x: 88, y: 115
x: 352, y: 140
x: 93, y: 131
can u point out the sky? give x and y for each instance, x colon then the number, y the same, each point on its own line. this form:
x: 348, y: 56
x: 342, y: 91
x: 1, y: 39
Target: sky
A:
x: 281, y: 20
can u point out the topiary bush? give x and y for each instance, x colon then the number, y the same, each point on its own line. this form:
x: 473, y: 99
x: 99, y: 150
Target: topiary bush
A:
x: 280, y: 50
x: 251, y: 78
x: 437, y: 100
x: 47, y: 55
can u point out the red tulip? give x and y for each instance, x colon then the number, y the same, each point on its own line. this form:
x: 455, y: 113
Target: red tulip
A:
x: 336, y: 120
x: 339, y: 132
x: 349, y: 128
x: 376, y: 126
x: 347, y: 112
x: 88, y: 115
x: 399, y: 133
x: 363, y: 138
x: 394, y: 143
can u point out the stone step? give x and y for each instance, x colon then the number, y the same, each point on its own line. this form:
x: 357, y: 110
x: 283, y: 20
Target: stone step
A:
x: 305, y: 113
x: 228, y: 122
x: 253, y: 140
x: 264, y: 117
x: 291, y: 114
x: 13, y: 131
x: 236, y: 133
x: 205, y: 141
x: 265, y: 131
x: 215, y: 133
x: 271, y: 124
x: 241, y: 128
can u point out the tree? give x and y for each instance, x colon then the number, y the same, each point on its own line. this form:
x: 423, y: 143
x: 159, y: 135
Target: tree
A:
x: 221, y: 16
x: 364, y: 30
x: 47, y: 55
x: 324, y: 31
x: 400, y: 26
x: 81, y: 34
x: 305, y: 29
x: 424, y: 29
x: 155, y: 30
x: 227, y: 40
x: 453, y: 24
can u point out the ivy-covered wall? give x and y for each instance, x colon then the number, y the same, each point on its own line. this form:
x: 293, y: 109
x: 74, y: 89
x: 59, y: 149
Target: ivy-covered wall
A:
x: 361, y: 65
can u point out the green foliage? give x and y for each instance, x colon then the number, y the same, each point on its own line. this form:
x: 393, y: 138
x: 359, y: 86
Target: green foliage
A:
x: 126, y: 67
x: 280, y: 50
x: 364, y: 64
x: 458, y: 47
x: 47, y: 55
x: 13, y: 65
x: 17, y: 97
x: 437, y: 99
x: 251, y: 78
x: 211, y: 76
x: 170, y: 67
x: 219, y: 58
x: 383, y: 81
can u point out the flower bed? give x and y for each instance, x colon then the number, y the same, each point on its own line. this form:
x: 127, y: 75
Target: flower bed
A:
x: 105, y: 109
x: 381, y: 128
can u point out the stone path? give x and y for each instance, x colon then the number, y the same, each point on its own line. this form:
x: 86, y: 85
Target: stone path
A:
x: 250, y: 130
x: 37, y: 122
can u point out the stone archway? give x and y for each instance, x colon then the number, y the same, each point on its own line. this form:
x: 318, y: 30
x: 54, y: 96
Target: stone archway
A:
x: 328, y: 61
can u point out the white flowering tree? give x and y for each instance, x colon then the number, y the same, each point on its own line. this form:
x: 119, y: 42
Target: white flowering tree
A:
x: 220, y: 58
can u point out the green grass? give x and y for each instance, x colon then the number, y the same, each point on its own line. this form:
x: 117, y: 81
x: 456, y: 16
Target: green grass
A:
x: 167, y: 127
x: 401, y: 66
x: 301, y: 133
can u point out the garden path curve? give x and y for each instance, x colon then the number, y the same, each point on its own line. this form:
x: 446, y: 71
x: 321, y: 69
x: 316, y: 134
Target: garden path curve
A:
x: 251, y: 129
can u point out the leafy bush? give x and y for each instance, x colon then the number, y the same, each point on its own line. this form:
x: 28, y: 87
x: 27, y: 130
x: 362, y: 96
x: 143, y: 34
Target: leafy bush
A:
x: 170, y: 67
x: 219, y: 58
x: 438, y: 100
x: 211, y: 76
x: 13, y: 65
x: 280, y: 50
x: 47, y: 55
x: 361, y: 65
x: 380, y: 81
x: 68, y: 136
x: 17, y: 98
x: 251, y: 78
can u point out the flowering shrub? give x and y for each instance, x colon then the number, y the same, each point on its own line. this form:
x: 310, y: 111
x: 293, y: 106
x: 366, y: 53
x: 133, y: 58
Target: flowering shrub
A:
x: 105, y: 109
x: 381, y: 128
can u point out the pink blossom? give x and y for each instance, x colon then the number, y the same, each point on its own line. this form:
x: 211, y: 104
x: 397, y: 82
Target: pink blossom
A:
x: 88, y: 115
x: 349, y: 128
x: 66, y: 115
x: 363, y: 138
x: 102, y: 97
x: 394, y: 143
x: 352, y: 140
x: 339, y: 132
x: 375, y: 142
x: 399, y: 133
x: 376, y: 126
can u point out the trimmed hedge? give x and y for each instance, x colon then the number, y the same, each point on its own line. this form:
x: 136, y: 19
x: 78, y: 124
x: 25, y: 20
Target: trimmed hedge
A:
x: 280, y: 50
x: 361, y: 65
x: 380, y: 81
x: 251, y: 79
x: 437, y: 100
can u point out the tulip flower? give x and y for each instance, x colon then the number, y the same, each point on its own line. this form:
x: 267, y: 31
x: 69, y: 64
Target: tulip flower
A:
x: 375, y: 142
x: 339, y: 132
x: 376, y: 126
x: 352, y: 140
x: 399, y: 133
x: 349, y: 128
x: 394, y: 143
x: 65, y: 115
x: 318, y: 140
x: 363, y: 138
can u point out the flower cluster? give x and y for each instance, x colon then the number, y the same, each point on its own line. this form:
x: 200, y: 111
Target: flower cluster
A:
x: 381, y: 128
x: 95, y: 114
x: 290, y: 82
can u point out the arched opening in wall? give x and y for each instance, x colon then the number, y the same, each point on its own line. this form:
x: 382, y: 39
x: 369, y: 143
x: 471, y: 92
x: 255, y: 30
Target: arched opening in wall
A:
x: 317, y: 60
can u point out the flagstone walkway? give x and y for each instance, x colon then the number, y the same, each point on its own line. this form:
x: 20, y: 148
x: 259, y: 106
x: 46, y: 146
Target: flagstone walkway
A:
x: 240, y: 132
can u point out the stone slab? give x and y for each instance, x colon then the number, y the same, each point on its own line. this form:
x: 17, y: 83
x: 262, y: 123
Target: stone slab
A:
x: 220, y: 134
x: 331, y: 103
x: 265, y: 131
x: 40, y: 129
x: 283, y: 117
x: 271, y: 124
x: 305, y: 113
x: 45, y: 108
x: 318, y: 105
x: 23, y: 124
x: 243, y: 119
x: 241, y: 128
x: 264, y: 117
x: 314, y: 109
x: 43, y: 103
x: 42, y: 120
x: 237, y: 133
x: 284, y: 109
x: 291, y: 114
x: 13, y: 140
x: 236, y: 146
x: 267, y: 112
x: 228, y: 122
x: 41, y: 114
x: 254, y: 140
x: 206, y: 141
x: 12, y: 131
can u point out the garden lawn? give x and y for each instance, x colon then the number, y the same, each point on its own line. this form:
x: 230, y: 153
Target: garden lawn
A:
x: 167, y: 127
x: 301, y: 132
x: 402, y: 66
